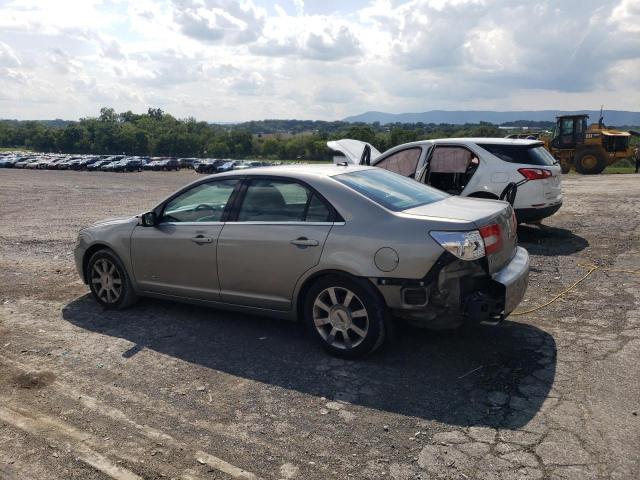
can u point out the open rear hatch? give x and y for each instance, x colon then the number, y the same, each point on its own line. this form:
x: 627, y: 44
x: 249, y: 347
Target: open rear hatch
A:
x: 351, y: 150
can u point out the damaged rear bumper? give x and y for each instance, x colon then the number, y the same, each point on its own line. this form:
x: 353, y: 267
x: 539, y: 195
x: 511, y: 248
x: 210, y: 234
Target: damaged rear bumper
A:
x: 459, y: 292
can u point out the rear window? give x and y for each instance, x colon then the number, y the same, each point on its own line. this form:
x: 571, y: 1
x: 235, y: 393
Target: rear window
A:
x: 390, y: 190
x: 527, y: 154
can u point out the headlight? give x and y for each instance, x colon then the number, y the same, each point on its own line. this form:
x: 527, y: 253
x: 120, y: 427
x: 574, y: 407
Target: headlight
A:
x: 464, y: 245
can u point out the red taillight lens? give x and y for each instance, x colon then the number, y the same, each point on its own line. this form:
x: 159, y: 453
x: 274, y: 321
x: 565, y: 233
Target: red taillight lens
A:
x: 491, y: 234
x: 535, y: 173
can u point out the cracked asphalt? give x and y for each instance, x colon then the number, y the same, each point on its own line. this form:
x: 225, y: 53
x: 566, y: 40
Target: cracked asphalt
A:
x: 167, y: 390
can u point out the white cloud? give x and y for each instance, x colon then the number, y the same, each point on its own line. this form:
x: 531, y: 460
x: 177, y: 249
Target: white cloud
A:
x: 8, y: 57
x: 244, y: 59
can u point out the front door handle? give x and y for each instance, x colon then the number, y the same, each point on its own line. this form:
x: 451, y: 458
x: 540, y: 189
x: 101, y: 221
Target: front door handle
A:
x: 200, y: 239
x: 305, y: 242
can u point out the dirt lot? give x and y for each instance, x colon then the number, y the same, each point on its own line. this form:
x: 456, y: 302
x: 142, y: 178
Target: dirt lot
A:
x: 174, y: 391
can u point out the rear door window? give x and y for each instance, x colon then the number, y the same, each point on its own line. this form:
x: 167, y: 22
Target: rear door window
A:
x: 281, y: 201
x: 526, y: 154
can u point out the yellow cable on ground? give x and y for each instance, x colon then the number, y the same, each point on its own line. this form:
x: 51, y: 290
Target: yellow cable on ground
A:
x: 592, y: 268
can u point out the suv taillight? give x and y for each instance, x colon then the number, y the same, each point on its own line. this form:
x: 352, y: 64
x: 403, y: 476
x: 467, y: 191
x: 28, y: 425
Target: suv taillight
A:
x: 535, y: 173
x: 491, y: 235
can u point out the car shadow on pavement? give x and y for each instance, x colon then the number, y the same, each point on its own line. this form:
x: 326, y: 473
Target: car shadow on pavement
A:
x: 487, y: 376
x: 550, y: 241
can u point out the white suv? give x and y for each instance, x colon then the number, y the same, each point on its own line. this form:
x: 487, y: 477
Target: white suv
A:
x: 472, y: 167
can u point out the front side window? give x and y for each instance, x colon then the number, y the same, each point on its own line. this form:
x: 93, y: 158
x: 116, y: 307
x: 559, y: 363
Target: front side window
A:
x: 203, y: 203
x: 281, y: 201
x: 390, y: 190
x: 567, y: 126
x: 403, y: 162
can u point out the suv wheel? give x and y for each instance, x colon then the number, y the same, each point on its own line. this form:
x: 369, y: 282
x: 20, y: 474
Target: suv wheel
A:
x: 346, y: 316
x: 109, y: 281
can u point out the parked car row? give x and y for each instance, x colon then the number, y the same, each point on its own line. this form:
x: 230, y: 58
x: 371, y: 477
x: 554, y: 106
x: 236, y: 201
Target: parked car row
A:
x: 226, y: 165
x: 121, y: 163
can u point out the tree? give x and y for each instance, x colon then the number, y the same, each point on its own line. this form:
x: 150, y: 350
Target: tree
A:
x: 155, y: 113
x: 361, y: 132
x: 108, y: 115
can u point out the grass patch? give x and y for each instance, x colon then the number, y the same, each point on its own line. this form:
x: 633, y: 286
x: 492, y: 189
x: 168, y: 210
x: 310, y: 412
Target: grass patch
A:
x: 619, y: 169
x: 13, y: 149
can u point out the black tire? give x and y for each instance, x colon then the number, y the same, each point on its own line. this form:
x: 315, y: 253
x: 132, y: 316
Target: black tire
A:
x: 102, y: 260
x: 378, y: 322
x: 589, y: 161
x: 565, y: 166
x: 484, y: 195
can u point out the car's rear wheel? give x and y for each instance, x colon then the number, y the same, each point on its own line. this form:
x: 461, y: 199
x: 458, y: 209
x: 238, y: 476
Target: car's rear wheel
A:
x: 345, y: 316
x: 109, y: 281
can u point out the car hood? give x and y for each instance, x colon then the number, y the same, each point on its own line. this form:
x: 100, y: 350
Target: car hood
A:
x: 113, y: 221
x: 478, y: 211
x: 352, y: 150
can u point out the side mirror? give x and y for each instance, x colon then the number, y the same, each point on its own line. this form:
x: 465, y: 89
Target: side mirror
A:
x: 148, y: 219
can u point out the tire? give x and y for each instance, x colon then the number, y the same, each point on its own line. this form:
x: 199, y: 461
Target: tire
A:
x: 565, y: 166
x: 105, y: 273
x: 487, y: 195
x: 589, y: 161
x: 330, y: 321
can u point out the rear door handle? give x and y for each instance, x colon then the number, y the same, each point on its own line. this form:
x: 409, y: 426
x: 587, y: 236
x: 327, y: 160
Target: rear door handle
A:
x: 305, y: 242
x: 201, y: 239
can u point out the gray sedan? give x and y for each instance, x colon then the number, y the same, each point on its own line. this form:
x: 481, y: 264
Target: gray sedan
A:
x: 346, y: 249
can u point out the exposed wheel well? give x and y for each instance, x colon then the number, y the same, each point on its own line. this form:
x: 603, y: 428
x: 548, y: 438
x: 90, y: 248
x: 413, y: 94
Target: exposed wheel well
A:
x: 302, y: 293
x: 87, y: 255
x: 484, y: 195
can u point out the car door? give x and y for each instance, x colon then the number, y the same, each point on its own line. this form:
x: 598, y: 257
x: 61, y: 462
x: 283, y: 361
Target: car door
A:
x: 275, y: 236
x: 179, y: 255
x: 405, y: 161
x: 450, y: 168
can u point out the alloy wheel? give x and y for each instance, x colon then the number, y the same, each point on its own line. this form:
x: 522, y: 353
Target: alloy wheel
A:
x: 340, y: 317
x: 106, y: 280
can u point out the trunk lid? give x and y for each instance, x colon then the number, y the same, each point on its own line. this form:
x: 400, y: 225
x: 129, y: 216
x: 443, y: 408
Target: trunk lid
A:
x: 480, y: 213
x: 351, y: 149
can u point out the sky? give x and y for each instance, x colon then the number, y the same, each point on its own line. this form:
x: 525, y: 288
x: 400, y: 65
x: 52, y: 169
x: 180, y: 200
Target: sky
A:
x: 222, y: 60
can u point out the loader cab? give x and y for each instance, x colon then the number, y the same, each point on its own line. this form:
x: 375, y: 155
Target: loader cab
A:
x: 570, y: 131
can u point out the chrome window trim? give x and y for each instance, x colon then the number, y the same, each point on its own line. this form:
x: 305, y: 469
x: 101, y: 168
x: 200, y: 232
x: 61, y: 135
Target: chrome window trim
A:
x: 315, y: 224
x: 192, y: 224
x: 195, y: 224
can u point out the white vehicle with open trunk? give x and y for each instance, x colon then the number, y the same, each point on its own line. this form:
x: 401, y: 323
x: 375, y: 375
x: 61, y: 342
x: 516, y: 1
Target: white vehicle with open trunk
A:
x: 472, y: 167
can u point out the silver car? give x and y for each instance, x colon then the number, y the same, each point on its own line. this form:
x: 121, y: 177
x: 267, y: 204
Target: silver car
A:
x: 347, y: 249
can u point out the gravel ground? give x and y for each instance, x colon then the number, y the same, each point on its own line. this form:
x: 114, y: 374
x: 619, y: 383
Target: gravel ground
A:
x: 175, y: 391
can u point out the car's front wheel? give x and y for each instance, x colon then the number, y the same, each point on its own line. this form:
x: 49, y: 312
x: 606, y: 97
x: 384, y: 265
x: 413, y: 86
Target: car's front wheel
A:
x: 109, y: 281
x: 345, y: 316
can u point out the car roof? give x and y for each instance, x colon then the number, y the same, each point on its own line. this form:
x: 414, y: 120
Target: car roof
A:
x: 297, y: 171
x: 488, y: 141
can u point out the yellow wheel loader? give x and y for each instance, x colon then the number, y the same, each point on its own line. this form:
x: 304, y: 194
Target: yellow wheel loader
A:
x: 588, y: 150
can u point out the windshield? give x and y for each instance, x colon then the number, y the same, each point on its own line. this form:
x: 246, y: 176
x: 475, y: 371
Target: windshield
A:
x: 390, y: 190
x: 528, y: 154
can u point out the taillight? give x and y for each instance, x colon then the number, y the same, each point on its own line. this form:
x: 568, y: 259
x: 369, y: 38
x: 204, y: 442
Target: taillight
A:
x: 464, y: 245
x: 491, y: 235
x: 535, y: 173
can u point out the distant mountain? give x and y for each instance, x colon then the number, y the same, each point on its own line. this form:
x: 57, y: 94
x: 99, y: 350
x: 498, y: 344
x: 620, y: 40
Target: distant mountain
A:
x: 57, y: 123
x: 611, y: 117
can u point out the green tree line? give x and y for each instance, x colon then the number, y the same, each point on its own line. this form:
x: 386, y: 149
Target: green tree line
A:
x: 157, y: 133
